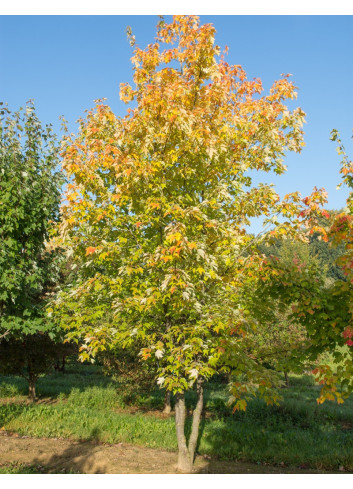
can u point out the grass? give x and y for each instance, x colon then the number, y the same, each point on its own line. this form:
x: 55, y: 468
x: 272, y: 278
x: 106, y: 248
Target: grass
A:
x: 20, y: 469
x: 85, y: 405
x: 15, y: 468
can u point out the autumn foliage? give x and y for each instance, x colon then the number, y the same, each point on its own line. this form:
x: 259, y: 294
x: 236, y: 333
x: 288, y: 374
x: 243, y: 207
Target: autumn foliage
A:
x: 156, y: 212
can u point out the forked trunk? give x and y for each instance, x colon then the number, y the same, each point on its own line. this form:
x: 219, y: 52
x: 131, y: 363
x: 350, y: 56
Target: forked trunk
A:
x: 186, y: 452
x: 167, y: 405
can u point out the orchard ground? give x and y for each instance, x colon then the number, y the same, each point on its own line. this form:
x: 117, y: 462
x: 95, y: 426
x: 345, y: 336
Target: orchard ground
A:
x: 87, y: 422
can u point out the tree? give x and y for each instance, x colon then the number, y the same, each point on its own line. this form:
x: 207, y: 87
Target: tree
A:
x: 30, y: 187
x: 284, y: 344
x: 32, y: 355
x: 327, y: 254
x: 132, y: 370
x: 156, y: 212
x: 321, y: 303
x: 336, y: 306
x: 311, y: 260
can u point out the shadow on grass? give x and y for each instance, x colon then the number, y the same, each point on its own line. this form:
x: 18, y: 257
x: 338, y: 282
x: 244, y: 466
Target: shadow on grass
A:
x: 55, y: 384
x: 278, y: 436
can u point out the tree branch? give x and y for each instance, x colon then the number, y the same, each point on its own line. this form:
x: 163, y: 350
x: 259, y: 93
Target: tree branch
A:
x: 4, y: 334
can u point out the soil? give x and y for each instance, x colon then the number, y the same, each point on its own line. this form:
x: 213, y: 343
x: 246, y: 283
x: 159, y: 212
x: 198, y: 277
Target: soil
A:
x: 54, y: 455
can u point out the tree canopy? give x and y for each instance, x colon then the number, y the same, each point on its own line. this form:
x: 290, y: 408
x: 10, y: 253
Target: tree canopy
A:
x: 30, y: 194
x: 156, y: 214
x: 30, y: 190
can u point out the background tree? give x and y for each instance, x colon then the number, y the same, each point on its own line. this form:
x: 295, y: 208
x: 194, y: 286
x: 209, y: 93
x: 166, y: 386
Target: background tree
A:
x: 284, y: 343
x: 31, y: 355
x: 327, y: 254
x: 30, y: 188
x: 336, y: 307
x: 322, y: 302
x: 156, y: 213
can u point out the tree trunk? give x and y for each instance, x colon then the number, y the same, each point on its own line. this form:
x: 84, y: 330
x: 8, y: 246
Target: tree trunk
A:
x: 32, y: 388
x: 57, y: 364
x: 167, y: 406
x: 196, y: 418
x: 286, y: 378
x: 184, y: 461
x: 186, y: 454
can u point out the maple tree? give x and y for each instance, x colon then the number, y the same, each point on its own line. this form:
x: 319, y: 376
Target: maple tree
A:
x: 334, y: 308
x: 30, y: 187
x: 156, y: 212
x: 284, y: 343
x: 295, y: 267
x: 323, y: 304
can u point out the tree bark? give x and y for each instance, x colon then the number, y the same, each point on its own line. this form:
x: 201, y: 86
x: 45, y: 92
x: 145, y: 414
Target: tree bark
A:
x: 196, y: 420
x: 167, y: 406
x: 184, y: 461
x: 32, y: 388
x: 63, y: 364
x: 57, y: 364
x: 286, y: 378
x: 186, y: 454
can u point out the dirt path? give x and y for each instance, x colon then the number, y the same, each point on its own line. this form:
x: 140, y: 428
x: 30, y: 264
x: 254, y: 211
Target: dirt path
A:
x: 58, y: 455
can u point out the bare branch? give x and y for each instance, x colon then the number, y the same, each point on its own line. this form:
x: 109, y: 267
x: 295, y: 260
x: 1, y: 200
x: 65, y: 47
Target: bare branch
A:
x: 5, y: 334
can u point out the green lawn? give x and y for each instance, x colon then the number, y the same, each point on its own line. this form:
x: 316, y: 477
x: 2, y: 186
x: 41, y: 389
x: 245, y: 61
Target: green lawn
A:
x: 84, y: 404
x: 20, y: 469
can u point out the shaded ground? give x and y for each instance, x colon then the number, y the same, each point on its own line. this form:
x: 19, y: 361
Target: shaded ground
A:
x: 57, y: 455
x: 297, y: 436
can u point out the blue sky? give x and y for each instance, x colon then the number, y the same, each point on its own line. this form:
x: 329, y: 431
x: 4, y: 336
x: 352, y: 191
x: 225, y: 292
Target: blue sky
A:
x: 65, y: 62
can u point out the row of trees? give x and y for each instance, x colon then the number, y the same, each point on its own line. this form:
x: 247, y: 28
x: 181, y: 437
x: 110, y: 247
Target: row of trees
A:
x: 151, y: 254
